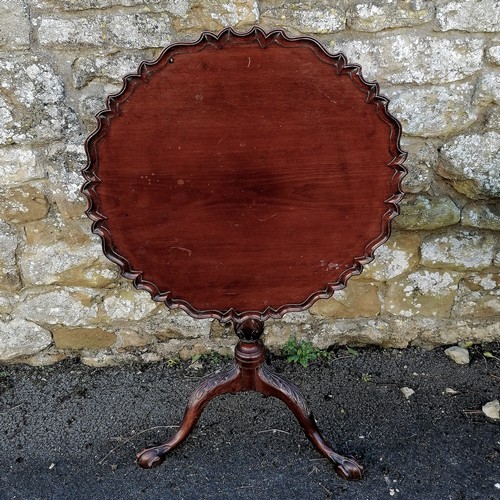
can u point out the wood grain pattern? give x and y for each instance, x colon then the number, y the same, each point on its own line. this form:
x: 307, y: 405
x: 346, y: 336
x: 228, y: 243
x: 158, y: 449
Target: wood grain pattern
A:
x: 244, y: 175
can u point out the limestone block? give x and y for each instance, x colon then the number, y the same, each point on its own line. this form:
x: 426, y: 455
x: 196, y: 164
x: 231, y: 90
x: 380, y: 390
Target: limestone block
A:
x: 478, y: 296
x: 379, y: 15
x: 82, y: 338
x: 127, y: 304
x: 23, y: 203
x: 69, y: 306
x: 8, y: 267
x: 63, y: 253
x: 422, y: 293
x: 217, y: 14
x: 473, y: 161
x: 93, y: 100
x: 5, y: 303
x: 176, y: 7
x: 63, y: 163
x: 18, y: 165
x: 177, y: 324
x: 47, y: 357
x: 108, y: 68
x: 420, y: 212
x: 414, y: 59
x: 132, y: 31
x: 22, y: 338
x: 308, y: 16
x: 429, y: 333
x: 129, y: 339
x: 359, y: 332
x: 467, y: 15
x: 482, y: 215
x: 397, y: 256
x: 488, y: 88
x: 493, y: 55
x: 422, y: 158
x: 14, y: 25
x: 36, y: 101
x: 358, y: 299
x: 493, y: 118
x: 461, y: 250
x: 434, y: 111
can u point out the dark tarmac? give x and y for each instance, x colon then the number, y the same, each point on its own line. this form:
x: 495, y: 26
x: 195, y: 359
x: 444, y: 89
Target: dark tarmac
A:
x: 71, y: 432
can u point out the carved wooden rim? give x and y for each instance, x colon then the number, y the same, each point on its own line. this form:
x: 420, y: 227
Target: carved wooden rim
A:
x: 339, y: 62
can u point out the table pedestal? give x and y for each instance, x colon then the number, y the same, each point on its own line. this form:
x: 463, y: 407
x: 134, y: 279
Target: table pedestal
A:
x: 250, y: 372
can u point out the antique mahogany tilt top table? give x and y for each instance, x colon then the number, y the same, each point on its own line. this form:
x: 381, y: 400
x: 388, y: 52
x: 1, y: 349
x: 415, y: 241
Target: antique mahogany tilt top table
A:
x: 242, y: 177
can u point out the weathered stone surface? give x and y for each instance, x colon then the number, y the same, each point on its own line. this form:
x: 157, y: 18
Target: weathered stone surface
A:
x: 478, y: 296
x: 358, y: 299
x: 220, y: 330
x: 177, y: 7
x: 36, y: 100
x: 493, y: 118
x: 127, y: 304
x: 22, y: 338
x: 434, y: 111
x: 488, y: 89
x: 64, y: 162
x: 427, y: 212
x: 8, y: 267
x: 492, y: 409
x: 100, y: 360
x: 69, y: 307
x: 466, y: 15
x: 418, y: 59
x: 458, y: 354
x: 14, y: 25
x: 397, y: 256
x: 473, y: 162
x: 379, y: 15
x: 482, y: 215
x: 461, y: 250
x: 18, y: 164
x: 422, y: 293
x: 5, y: 303
x: 94, y: 100
x: 62, y: 252
x: 421, y: 160
x: 218, y: 14
x: 136, y: 31
x: 429, y: 333
x: 305, y: 16
x: 177, y: 324
x: 82, y: 338
x: 493, y: 54
x: 47, y: 357
x: 109, y: 68
x: 358, y: 332
x: 129, y: 339
x: 23, y: 203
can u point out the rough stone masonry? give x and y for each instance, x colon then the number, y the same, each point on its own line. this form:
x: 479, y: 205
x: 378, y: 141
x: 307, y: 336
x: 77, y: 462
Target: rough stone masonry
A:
x: 435, y: 282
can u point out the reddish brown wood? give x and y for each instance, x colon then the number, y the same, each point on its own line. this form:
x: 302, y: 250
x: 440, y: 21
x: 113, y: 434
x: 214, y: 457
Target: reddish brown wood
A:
x: 241, y: 177
x: 251, y: 373
x: 244, y: 175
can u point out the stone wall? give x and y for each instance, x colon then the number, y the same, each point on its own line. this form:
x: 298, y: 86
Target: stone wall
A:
x: 435, y: 282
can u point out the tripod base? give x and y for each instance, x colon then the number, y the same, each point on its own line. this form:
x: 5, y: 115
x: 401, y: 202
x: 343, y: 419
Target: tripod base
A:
x: 250, y: 373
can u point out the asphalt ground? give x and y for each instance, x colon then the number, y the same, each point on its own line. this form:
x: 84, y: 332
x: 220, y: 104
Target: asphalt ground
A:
x: 71, y: 432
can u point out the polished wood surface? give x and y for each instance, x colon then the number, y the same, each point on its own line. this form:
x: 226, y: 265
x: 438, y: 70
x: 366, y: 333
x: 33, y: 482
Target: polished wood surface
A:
x: 250, y: 372
x: 244, y: 175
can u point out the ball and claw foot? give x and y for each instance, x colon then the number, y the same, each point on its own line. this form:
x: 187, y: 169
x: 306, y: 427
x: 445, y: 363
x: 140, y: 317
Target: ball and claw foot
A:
x: 151, y: 457
x: 349, y: 469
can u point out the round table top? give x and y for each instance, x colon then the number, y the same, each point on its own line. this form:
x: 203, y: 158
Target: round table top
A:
x: 244, y: 175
